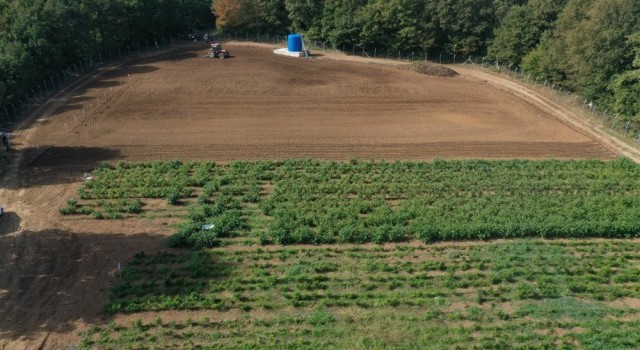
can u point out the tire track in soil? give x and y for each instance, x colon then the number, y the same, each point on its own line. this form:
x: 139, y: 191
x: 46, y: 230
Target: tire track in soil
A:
x: 57, y: 157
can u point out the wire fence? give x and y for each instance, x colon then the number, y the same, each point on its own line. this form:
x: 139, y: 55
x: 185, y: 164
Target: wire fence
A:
x: 23, y: 105
x: 624, y: 127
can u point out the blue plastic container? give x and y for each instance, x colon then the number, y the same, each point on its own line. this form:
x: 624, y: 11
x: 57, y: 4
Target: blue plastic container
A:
x: 295, y: 43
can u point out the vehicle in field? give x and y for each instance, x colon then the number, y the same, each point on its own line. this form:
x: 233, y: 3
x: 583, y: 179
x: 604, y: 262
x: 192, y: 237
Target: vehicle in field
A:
x: 216, y: 50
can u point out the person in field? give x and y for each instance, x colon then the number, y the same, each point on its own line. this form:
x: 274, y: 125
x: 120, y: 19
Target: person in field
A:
x: 5, y: 139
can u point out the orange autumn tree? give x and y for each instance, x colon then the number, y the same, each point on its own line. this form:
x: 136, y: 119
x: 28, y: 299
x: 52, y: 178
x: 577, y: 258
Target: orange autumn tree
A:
x: 232, y: 14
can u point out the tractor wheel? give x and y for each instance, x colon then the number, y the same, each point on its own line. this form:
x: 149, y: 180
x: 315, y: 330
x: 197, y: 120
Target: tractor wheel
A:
x: 211, y: 55
x: 221, y: 55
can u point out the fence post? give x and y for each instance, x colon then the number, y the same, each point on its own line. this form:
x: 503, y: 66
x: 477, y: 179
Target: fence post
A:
x: 7, y: 112
x: 613, y: 123
x: 21, y: 105
x: 441, y: 58
x: 51, y: 77
x: 626, y: 128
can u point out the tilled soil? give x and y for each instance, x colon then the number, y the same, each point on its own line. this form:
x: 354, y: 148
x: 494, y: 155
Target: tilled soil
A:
x: 257, y: 105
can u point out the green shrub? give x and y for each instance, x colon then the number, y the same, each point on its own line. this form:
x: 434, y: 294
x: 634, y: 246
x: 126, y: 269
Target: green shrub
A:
x: 70, y: 208
x: 173, y: 197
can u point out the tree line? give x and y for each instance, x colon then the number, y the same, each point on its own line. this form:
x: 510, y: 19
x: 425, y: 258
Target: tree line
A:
x: 591, y: 47
x: 40, y: 37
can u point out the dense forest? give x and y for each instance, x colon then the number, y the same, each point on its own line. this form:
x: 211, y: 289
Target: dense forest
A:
x: 591, y: 47
x: 38, y: 38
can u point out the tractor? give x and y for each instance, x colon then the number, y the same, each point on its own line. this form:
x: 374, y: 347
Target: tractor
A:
x: 216, y: 50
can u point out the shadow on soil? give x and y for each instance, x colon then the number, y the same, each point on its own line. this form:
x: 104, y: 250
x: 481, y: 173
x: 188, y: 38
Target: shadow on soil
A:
x: 51, y: 280
x: 86, y: 158
x: 51, y: 165
x: 9, y: 222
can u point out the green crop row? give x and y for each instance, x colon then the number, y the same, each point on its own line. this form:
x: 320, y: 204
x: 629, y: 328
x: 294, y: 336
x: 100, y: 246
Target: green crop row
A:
x: 344, y: 277
x: 307, y: 201
x: 566, y: 323
x: 540, y: 292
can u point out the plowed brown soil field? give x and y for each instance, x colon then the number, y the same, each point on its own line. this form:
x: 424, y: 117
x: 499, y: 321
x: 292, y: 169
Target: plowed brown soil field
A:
x: 257, y: 105
x: 55, y: 273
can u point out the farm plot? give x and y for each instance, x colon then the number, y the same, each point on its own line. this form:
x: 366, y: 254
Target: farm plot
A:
x: 261, y: 106
x: 314, y: 202
x: 522, y: 294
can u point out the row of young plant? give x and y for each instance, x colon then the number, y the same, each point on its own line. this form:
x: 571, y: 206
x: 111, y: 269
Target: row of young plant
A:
x: 566, y: 323
x: 307, y: 201
x: 147, y: 180
x: 376, y: 277
x: 517, y: 294
x: 222, y: 209
x: 359, y: 202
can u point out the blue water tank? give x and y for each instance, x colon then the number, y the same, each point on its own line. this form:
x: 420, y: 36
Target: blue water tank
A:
x: 295, y: 43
